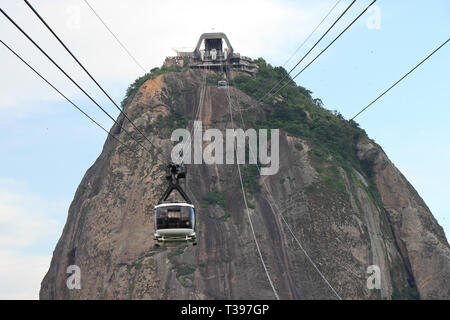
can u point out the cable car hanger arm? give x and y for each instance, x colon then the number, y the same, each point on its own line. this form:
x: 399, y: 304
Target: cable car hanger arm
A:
x: 175, y: 173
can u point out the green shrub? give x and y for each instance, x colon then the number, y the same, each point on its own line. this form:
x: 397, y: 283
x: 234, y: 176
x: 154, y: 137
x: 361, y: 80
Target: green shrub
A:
x: 172, y: 121
x: 407, y: 293
x: 312, y: 188
x: 134, y: 87
x: 299, y: 146
x: 184, y: 269
x: 332, y: 178
x: 175, y: 252
x: 294, y: 110
x: 214, y: 198
x: 226, y: 216
x: 83, y: 189
x: 250, y: 179
x: 159, y: 71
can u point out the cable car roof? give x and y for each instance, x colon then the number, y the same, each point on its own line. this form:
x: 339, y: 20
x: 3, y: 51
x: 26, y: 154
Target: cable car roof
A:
x: 171, y: 204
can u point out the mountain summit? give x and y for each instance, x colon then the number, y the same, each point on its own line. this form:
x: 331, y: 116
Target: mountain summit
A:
x: 336, y: 207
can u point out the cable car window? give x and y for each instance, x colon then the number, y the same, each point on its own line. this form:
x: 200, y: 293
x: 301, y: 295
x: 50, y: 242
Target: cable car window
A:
x: 161, y: 218
x: 222, y: 83
x: 175, y: 217
x: 192, y: 217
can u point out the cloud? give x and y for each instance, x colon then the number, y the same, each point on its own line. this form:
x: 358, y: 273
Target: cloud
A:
x: 20, y: 222
x: 28, y: 223
x: 24, y: 217
x: 149, y: 29
x: 21, y: 274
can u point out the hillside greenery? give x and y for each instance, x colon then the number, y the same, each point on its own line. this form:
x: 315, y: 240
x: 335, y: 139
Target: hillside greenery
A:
x: 134, y: 87
x: 294, y: 110
x: 214, y: 197
x: 250, y: 178
x: 407, y: 293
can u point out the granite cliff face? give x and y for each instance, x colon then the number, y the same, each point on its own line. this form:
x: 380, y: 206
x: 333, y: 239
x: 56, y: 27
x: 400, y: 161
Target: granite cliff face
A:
x: 345, y: 224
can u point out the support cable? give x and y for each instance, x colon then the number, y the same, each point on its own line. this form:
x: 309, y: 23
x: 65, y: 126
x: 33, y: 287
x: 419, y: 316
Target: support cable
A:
x: 71, y: 79
x: 317, y: 27
x: 306, y: 54
x: 398, y: 81
x: 246, y: 206
x: 340, y: 34
x: 70, y: 101
x: 286, y: 223
x: 115, y: 37
x: 89, y: 74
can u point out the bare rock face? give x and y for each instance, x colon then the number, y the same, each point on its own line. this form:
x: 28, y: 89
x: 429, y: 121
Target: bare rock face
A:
x: 343, y: 229
x: 420, y: 240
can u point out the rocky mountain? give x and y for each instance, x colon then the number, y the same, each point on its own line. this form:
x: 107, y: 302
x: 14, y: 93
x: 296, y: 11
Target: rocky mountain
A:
x: 346, y: 203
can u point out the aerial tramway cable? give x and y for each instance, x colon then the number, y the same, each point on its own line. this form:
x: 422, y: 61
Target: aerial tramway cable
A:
x: 171, y: 222
x: 187, y: 143
x: 315, y: 29
x: 115, y: 37
x: 315, y: 58
x: 89, y: 74
x: 281, y: 215
x: 71, y: 79
x: 246, y: 206
x: 155, y: 154
x: 277, y: 209
x: 183, y: 228
x: 290, y: 80
x: 307, y: 53
x: 70, y: 101
x: 398, y: 81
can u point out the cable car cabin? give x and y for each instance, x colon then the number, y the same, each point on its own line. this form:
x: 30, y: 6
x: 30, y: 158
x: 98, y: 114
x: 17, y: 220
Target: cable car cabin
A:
x: 175, y: 222
x: 222, y: 84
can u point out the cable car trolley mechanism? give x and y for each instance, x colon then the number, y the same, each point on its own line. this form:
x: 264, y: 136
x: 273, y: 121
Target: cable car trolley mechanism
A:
x: 175, y: 221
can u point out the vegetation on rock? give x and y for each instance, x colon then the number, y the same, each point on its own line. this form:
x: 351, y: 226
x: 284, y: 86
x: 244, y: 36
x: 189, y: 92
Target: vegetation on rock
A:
x: 134, y: 87
x: 214, y: 198
x: 295, y: 111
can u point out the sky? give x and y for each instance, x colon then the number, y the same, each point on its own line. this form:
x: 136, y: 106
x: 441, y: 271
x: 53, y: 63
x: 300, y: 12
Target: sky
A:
x: 48, y: 146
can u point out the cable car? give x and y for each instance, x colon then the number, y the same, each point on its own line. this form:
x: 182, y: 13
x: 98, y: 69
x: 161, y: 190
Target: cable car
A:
x: 222, y: 84
x: 175, y: 221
